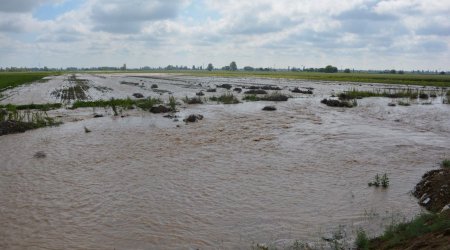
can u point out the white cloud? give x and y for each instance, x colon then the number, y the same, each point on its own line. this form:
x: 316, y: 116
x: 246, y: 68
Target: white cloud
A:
x: 259, y: 33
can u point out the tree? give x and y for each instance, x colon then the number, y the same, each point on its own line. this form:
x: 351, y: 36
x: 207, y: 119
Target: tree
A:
x: 210, y: 67
x: 233, y: 66
x: 330, y: 69
x: 248, y: 68
x: 347, y: 71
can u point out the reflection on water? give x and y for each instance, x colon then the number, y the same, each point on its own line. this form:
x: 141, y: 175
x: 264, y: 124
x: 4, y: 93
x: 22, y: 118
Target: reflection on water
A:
x: 239, y: 176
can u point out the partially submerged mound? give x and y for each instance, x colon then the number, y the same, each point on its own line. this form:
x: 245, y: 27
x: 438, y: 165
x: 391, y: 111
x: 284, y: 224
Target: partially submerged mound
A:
x: 433, y: 191
x: 159, y: 109
x: 193, y: 118
x: 338, y: 103
x: 12, y: 127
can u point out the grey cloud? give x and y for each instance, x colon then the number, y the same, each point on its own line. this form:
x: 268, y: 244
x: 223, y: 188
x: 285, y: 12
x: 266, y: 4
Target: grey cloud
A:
x: 129, y: 16
x: 252, y: 26
x: 435, y: 29
x: 434, y: 46
x: 10, y: 26
x: 19, y: 5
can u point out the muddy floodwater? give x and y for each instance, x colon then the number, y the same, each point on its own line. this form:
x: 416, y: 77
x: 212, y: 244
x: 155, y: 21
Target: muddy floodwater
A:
x: 238, y: 177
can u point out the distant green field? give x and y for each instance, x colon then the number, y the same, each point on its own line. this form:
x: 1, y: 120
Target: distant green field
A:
x: 410, y: 79
x: 14, y: 79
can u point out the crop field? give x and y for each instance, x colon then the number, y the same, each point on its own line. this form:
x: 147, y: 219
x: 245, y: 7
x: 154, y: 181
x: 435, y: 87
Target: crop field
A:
x: 14, y: 79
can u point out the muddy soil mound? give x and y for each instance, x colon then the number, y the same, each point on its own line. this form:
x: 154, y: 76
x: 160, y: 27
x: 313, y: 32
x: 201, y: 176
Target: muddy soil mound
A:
x: 433, y: 191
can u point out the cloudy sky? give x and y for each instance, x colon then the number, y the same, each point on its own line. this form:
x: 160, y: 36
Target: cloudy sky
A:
x: 363, y: 34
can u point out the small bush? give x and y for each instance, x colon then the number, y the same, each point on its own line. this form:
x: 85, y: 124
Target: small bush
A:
x: 380, y: 181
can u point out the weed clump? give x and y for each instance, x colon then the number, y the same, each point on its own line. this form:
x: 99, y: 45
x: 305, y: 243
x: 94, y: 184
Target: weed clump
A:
x: 362, y: 241
x: 18, y: 122
x: 273, y: 97
x: 227, y: 98
x: 380, y: 181
x: 403, y: 103
x: 445, y: 163
x: 193, y: 100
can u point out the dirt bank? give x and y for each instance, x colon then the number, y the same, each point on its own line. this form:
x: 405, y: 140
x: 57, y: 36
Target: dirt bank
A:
x: 433, y: 193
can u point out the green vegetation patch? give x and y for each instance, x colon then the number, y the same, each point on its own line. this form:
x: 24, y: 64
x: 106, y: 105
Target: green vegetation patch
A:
x: 227, y: 98
x: 42, y: 107
x: 20, y: 121
x: 445, y: 163
x: 399, y: 234
x: 127, y: 103
x: 14, y: 79
x: 273, y: 97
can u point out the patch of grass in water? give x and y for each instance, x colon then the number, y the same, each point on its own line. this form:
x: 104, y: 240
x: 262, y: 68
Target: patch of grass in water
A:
x: 403, y: 103
x: 127, y: 103
x: 227, y: 98
x: 19, y: 121
x: 193, y: 100
x: 42, y: 107
x: 359, y: 94
x: 445, y: 163
x: 273, y: 97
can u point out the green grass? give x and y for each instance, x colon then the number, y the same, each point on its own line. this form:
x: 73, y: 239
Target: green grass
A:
x: 426, y: 223
x: 445, y: 163
x: 273, y: 97
x: 15, y: 121
x: 127, y: 103
x: 362, y: 241
x: 227, y: 98
x: 42, y: 107
x: 14, y: 79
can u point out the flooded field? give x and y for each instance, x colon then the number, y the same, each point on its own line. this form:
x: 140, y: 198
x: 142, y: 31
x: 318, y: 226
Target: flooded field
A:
x: 238, y: 177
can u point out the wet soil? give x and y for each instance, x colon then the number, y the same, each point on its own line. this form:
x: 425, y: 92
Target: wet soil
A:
x: 433, y: 191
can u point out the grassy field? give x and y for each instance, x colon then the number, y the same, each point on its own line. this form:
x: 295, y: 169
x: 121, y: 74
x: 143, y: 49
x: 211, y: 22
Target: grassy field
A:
x: 14, y: 79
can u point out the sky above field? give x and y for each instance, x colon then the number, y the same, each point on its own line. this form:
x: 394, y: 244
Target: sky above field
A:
x: 360, y: 34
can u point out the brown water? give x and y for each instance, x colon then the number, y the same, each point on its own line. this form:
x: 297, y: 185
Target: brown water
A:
x: 239, y: 176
